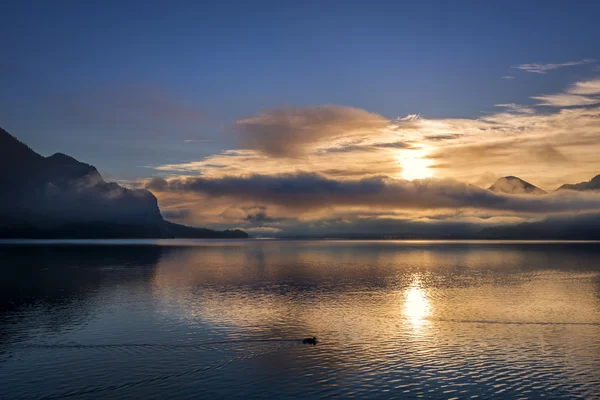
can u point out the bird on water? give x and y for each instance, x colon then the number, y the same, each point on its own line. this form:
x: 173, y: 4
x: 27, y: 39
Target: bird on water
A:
x: 312, y: 340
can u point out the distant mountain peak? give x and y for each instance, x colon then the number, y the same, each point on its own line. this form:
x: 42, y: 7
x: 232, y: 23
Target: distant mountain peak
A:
x: 515, y: 185
x: 591, y: 185
x: 12, y: 151
x: 61, y: 157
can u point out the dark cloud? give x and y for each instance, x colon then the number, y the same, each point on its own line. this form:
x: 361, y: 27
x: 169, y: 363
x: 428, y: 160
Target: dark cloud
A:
x: 450, y: 136
x: 393, y: 145
x: 176, y: 214
x: 368, y: 147
x: 305, y: 191
x: 585, y: 226
x: 99, y: 202
x: 346, y: 173
x: 258, y: 214
x: 360, y: 225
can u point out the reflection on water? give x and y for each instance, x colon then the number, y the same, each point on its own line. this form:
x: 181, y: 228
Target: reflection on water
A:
x: 416, y: 304
x: 223, y: 319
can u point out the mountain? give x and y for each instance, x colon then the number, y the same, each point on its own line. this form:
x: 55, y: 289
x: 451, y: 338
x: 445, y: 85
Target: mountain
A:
x: 514, y: 185
x: 593, y: 184
x: 60, y: 197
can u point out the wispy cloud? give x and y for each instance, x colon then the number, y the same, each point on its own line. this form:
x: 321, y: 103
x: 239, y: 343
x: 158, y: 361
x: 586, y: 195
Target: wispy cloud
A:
x: 565, y: 100
x: 591, y: 87
x: 539, y: 68
x: 508, y: 77
x: 583, y: 93
x: 196, y: 140
x: 516, y: 108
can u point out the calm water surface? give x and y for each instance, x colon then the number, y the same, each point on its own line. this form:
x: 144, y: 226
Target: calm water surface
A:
x: 222, y: 319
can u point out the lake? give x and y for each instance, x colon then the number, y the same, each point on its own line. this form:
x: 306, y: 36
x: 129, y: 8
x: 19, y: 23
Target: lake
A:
x: 185, y: 319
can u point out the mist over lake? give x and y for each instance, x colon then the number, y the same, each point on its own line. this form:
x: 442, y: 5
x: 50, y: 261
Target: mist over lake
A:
x: 225, y: 319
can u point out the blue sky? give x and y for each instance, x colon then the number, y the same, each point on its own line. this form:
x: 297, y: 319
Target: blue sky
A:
x: 123, y: 84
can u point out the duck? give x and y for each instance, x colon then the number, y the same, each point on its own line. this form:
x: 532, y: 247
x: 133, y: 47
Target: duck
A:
x: 312, y: 340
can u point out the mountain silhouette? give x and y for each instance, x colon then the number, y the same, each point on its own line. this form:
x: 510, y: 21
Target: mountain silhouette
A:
x: 593, y: 184
x: 61, y: 197
x: 514, y: 185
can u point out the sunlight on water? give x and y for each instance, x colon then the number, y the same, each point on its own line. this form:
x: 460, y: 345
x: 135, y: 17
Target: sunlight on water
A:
x: 215, y: 319
x: 416, y: 304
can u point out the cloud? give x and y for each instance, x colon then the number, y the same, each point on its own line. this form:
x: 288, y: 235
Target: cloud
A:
x: 584, y: 226
x: 565, y: 100
x: 457, y: 223
x: 358, y: 160
x: 344, y: 148
x: 539, y: 68
x: 304, y: 191
x: 350, y: 175
x: 508, y: 77
x: 258, y: 214
x: 261, y: 230
x: 516, y: 108
x: 583, y: 93
x: 176, y: 214
x: 516, y: 141
x: 290, y: 132
x: 591, y: 87
x: 308, y: 204
x: 87, y: 199
x: 442, y: 137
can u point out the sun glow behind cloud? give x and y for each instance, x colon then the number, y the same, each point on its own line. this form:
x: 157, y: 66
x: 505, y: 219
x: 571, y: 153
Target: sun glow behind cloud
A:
x: 350, y: 170
x: 415, y: 165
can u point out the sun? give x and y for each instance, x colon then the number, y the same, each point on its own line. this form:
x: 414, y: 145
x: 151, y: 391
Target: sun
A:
x: 415, y: 165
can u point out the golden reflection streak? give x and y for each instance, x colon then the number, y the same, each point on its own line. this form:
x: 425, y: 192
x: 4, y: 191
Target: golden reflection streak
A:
x: 417, y: 306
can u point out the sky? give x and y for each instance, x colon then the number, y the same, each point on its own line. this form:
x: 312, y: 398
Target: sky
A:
x: 217, y: 106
